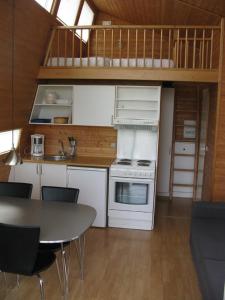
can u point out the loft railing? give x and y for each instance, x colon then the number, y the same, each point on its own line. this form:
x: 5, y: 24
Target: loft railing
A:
x: 173, y: 47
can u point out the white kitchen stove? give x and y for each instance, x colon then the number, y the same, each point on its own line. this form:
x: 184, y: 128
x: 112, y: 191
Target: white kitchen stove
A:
x: 133, y: 168
x: 131, y: 199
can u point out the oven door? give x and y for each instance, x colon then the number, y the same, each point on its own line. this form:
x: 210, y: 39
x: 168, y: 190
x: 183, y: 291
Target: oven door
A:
x: 131, y: 194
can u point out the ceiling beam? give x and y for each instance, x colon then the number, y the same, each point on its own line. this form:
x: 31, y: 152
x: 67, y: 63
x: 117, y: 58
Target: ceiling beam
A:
x: 200, y: 8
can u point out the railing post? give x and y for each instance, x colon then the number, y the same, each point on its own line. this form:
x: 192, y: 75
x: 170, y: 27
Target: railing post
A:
x: 96, y: 46
x: 211, y: 49
x: 169, y: 48
x: 194, y: 50
x: 65, y: 47
x: 136, y: 46
x: 153, y: 43
x: 73, y: 33
x: 49, y: 49
x: 144, y: 45
x: 161, y: 46
x: 112, y: 41
x: 186, y: 49
x: 88, y: 51
x: 128, y: 46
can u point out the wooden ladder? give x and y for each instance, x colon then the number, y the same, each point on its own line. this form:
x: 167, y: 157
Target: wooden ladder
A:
x: 186, y: 108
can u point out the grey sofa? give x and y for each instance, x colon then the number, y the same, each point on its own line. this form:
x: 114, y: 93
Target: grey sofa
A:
x: 208, y: 247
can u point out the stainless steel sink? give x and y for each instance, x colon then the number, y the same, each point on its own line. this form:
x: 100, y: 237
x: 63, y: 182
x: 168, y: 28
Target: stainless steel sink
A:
x: 55, y: 157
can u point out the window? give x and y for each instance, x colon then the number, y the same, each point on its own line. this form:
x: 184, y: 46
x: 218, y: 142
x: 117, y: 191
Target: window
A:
x: 67, y: 11
x: 47, y: 4
x: 86, y: 18
x: 6, y: 140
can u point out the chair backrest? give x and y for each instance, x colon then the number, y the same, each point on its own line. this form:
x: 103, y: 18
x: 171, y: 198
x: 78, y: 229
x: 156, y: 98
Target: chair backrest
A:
x: 16, y: 189
x: 55, y: 193
x: 18, y: 248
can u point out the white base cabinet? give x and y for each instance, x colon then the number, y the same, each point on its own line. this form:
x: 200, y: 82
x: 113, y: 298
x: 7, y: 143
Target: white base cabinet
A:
x: 39, y: 174
x: 92, y: 183
x: 29, y: 173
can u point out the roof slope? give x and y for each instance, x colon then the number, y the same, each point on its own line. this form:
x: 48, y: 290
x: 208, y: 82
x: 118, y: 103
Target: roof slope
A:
x: 178, y: 12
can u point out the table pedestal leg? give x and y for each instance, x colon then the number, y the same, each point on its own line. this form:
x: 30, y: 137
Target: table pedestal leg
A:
x: 65, y: 272
x: 80, y: 247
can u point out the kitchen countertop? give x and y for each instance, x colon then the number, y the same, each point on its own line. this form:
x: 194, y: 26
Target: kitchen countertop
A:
x: 79, y: 161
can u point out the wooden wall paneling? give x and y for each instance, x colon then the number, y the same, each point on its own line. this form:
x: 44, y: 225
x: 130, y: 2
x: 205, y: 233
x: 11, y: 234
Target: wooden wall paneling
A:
x: 91, y: 141
x: 208, y: 166
x: 216, y: 7
x: 163, y: 12
x: 218, y: 177
x: 32, y: 27
x: 32, y: 32
x: 5, y: 64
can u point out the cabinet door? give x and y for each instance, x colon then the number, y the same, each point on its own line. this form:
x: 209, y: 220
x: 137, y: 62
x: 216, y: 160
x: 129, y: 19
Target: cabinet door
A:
x: 29, y: 173
x: 93, y: 105
x: 53, y: 175
x: 93, y: 190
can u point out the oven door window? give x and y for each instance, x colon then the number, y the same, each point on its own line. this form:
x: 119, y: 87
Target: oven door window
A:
x: 131, y: 193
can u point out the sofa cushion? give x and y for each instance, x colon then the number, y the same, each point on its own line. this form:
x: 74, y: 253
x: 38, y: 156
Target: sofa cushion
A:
x: 208, y: 238
x: 215, y: 278
x: 208, y: 210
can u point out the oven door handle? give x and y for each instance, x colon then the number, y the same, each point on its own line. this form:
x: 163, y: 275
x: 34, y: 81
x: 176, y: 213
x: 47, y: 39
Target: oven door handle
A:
x: 131, y: 179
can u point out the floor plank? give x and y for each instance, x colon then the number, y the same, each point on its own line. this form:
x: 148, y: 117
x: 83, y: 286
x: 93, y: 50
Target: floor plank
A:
x: 122, y: 264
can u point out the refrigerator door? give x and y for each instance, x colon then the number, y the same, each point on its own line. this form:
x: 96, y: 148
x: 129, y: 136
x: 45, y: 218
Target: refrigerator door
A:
x: 92, y: 183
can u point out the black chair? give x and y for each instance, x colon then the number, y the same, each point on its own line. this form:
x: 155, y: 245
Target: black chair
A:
x: 55, y: 193
x: 19, y: 252
x: 16, y: 189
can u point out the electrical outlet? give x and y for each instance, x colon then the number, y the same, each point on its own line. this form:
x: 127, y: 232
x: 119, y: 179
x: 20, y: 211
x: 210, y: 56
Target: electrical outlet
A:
x: 106, y: 23
x: 113, y: 145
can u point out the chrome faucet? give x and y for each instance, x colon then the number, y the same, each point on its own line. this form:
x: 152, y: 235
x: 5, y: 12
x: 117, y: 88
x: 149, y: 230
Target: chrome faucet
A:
x: 72, y: 142
x: 62, y: 151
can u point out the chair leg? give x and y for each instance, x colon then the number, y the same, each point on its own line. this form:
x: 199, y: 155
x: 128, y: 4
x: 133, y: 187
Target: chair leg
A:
x: 68, y: 260
x: 5, y: 278
x: 80, y: 254
x: 59, y: 275
x: 18, y: 280
x: 65, y: 271
x: 41, y: 284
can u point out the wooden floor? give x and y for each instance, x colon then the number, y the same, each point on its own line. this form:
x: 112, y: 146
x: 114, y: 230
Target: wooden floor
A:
x: 126, y: 264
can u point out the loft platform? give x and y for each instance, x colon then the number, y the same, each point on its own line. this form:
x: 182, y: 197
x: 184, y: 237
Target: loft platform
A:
x: 156, y: 53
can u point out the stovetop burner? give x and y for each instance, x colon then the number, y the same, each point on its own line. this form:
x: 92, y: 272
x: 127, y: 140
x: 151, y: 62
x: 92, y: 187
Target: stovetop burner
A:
x: 143, y: 162
x: 124, y: 161
x: 127, y: 163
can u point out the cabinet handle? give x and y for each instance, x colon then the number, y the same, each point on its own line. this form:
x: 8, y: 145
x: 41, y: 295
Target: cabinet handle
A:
x: 41, y: 169
x: 37, y: 169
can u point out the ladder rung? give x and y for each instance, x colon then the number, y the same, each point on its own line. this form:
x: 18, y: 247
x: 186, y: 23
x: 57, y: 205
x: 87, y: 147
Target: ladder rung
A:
x: 186, y: 111
x: 183, y: 184
x: 179, y: 125
x: 186, y: 141
x: 180, y: 154
x: 183, y: 170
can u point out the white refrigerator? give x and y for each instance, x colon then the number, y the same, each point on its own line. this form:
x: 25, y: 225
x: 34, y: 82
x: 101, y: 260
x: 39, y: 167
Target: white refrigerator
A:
x: 92, y: 183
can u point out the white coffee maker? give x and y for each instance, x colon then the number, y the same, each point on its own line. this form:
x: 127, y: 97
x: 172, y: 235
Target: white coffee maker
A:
x: 37, y: 145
